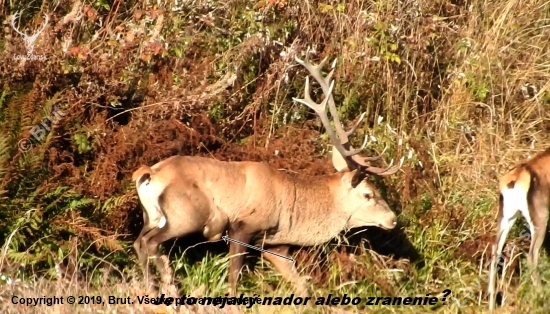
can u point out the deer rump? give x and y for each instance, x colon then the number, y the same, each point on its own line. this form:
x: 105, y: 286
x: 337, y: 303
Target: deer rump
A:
x: 524, y: 191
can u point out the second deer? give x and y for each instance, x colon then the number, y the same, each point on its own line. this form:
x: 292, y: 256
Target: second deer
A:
x: 525, y: 191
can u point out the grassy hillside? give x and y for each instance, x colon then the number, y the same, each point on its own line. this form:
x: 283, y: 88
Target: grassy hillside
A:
x: 461, y: 89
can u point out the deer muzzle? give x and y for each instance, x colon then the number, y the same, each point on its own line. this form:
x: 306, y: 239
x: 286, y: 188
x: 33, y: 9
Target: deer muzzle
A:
x: 389, y: 223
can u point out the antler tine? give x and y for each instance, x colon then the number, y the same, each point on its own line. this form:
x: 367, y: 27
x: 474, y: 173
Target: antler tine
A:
x: 315, y: 71
x: 375, y: 157
x: 320, y: 110
x: 321, y: 64
x: 357, y: 158
x: 354, y: 127
x: 15, y: 15
x: 376, y: 170
x: 342, y: 142
x: 45, y: 23
x: 309, y: 102
x: 385, y: 171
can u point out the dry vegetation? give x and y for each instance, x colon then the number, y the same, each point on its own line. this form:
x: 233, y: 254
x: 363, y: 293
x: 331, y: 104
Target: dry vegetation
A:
x: 464, y: 84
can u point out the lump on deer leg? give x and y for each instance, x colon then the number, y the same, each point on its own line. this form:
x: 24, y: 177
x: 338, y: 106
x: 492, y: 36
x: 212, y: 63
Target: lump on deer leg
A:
x: 216, y: 226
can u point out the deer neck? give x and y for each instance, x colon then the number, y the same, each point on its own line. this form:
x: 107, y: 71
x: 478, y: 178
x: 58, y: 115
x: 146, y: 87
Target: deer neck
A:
x: 315, y: 217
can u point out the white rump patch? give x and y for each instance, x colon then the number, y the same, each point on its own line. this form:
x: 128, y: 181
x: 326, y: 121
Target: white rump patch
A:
x: 149, y: 193
x: 162, y: 222
x: 515, y: 200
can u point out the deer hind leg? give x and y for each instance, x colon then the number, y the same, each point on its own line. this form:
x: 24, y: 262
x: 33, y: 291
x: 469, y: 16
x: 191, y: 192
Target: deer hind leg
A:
x: 287, y: 269
x: 152, y: 241
x: 513, y: 200
x: 141, y: 248
x: 505, y: 224
x: 189, y: 219
x: 537, y: 225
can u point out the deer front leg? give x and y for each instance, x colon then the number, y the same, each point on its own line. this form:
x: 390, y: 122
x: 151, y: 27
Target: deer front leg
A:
x: 287, y: 269
x: 236, y: 254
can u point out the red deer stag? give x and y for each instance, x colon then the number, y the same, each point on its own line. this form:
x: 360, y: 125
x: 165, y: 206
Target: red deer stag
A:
x: 525, y: 189
x: 259, y: 205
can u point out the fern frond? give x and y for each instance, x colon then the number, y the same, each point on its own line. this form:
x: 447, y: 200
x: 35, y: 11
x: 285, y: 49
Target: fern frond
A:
x: 3, y: 103
x: 80, y: 203
x: 5, y: 151
x: 115, y: 202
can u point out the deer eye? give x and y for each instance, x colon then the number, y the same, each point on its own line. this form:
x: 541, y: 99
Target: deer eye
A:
x: 367, y: 195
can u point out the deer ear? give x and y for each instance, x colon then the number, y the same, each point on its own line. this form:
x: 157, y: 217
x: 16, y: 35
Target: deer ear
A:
x: 338, y: 161
x: 351, y: 179
x: 347, y: 178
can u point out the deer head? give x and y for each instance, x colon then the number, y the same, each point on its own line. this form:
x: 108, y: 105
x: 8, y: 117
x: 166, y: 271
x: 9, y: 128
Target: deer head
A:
x: 356, y: 195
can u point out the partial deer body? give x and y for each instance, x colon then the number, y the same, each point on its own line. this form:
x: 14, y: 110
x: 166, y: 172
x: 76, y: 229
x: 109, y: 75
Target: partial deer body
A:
x: 525, y: 191
x: 259, y: 205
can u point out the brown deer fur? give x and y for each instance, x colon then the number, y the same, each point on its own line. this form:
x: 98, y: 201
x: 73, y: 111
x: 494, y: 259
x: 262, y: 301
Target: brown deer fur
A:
x: 257, y: 204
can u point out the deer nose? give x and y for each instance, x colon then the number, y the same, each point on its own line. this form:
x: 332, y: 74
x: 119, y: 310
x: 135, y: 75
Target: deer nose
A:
x: 389, y: 225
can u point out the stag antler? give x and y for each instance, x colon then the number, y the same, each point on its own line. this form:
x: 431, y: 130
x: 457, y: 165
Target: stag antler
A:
x: 340, y: 143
